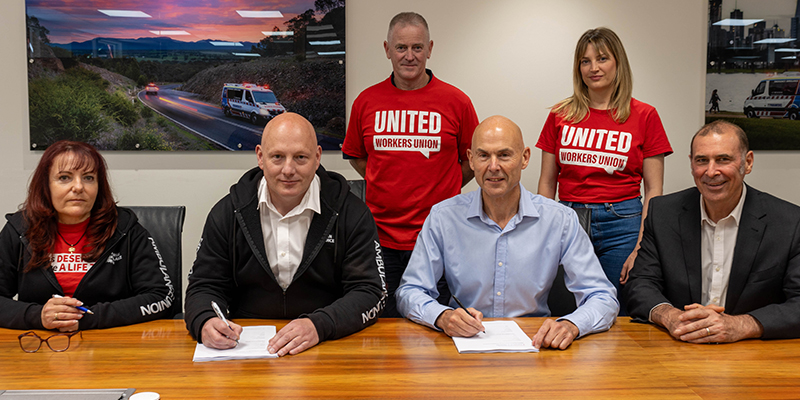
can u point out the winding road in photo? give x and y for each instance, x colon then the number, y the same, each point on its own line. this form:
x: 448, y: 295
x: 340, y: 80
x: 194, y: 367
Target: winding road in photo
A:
x: 203, y: 119
x: 208, y: 121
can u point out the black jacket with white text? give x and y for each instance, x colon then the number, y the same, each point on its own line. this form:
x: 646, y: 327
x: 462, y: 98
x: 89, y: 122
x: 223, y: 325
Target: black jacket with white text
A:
x: 128, y: 284
x: 338, y: 284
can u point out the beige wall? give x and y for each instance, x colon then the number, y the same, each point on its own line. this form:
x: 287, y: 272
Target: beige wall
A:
x: 511, y: 57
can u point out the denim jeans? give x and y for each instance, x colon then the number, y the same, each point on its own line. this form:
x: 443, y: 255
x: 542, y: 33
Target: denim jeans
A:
x: 615, y: 230
x: 394, y: 263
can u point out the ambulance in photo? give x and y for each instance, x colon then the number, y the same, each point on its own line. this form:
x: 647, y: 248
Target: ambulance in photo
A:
x: 774, y: 97
x: 250, y: 101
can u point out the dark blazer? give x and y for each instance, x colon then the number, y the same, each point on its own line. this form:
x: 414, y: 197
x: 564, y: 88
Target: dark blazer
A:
x: 765, y: 275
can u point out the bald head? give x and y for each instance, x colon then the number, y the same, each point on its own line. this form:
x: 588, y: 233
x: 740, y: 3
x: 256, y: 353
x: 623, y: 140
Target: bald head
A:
x: 498, y: 156
x: 289, y: 124
x: 499, y: 126
x: 289, y: 156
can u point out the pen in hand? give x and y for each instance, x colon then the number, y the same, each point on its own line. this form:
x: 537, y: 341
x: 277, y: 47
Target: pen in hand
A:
x: 464, y: 308
x: 221, y: 316
x: 81, y: 308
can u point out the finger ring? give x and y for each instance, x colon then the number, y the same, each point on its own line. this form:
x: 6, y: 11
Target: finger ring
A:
x: 708, y: 332
x: 56, y: 317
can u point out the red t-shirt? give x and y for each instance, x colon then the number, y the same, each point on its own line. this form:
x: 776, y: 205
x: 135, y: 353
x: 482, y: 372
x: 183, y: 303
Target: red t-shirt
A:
x: 600, y: 160
x: 413, y: 141
x: 69, y: 266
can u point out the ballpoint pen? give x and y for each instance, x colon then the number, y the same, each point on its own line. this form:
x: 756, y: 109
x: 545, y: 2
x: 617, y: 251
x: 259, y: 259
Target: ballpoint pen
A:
x: 221, y: 316
x: 82, y: 308
x: 465, y: 308
x: 462, y: 306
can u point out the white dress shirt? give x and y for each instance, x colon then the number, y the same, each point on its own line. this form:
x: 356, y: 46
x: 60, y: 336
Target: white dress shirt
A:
x: 285, y: 235
x: 717, y: 243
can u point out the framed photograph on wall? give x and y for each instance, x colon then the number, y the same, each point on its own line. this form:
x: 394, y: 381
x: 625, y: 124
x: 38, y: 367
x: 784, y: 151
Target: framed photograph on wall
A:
x: 183, y: 74
x: 753, y: 70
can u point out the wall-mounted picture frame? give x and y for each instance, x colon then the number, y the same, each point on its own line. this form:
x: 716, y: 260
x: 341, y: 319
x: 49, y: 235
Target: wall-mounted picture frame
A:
x: 753, y: 70
x: 183, y: 75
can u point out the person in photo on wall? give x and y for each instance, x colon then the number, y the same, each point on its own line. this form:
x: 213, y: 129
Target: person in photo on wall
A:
x: 599, y: 146
x: 714, y: 101
x: 408, y: 137
x: 74, y: 259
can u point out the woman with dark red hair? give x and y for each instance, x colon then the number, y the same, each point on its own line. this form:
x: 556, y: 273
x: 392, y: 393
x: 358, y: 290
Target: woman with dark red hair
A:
x: 72, y: 257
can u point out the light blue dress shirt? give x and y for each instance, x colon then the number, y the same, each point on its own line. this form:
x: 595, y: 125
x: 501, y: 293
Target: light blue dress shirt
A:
x: 505, y: 272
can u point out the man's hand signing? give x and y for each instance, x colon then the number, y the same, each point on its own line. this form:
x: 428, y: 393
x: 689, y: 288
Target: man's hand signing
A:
x: 458, y: 323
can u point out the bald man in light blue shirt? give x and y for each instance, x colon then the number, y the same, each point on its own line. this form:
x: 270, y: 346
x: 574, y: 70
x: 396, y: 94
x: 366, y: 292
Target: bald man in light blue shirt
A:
x: 500, y: 248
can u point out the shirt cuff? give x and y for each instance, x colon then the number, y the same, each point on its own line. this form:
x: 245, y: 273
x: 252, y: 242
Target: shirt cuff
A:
x: 433, y: 311
x: 650, y: 314
x: 580, y: 331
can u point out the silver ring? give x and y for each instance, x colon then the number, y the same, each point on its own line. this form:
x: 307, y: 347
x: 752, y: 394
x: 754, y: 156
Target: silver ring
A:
x: 708, y: 332
x: 56, y: 317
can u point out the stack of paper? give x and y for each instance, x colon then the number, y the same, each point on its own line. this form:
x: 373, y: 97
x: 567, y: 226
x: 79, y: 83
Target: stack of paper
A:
x: 500, y: 337
x: 252, y: 344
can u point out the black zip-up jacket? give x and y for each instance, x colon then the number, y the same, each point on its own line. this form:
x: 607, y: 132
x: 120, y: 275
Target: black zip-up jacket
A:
x: 127, y: 284
x: 338, y: 285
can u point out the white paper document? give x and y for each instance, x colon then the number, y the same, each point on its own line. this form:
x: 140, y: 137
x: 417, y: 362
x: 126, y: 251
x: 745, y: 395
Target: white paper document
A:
x: 252, y: 344
x: 500, y: 337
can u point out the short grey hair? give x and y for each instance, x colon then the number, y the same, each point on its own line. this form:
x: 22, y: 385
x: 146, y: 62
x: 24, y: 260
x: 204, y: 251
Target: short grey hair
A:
x: 407, y: 18
x: 721, y: 126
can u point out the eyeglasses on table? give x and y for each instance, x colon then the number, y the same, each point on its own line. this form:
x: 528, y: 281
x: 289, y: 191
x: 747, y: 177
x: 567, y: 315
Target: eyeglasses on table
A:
x: 30, y: 342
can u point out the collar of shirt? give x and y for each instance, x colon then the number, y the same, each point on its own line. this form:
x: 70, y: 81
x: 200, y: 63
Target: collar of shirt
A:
x: 505, y: 273
x: 718, y: 242
x: 310, y: 200
x: 526, y: 209
x: 427, y: 71
x: 736, y: 213
x: 285, y: 236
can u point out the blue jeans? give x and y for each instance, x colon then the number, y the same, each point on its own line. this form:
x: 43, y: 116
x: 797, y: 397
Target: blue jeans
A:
x: 615, y: 230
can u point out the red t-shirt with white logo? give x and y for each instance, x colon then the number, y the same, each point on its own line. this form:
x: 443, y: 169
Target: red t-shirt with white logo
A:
x: 413, y: 141
x: 600, y: 160
x: 67, y: 261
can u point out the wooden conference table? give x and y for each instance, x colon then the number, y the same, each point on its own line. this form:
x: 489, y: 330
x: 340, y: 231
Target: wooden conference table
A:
x: 399, y: 359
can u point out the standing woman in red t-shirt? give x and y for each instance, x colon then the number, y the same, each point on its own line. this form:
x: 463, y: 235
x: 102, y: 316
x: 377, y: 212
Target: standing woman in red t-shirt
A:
x: 71, y: 247
x: 598, y: 145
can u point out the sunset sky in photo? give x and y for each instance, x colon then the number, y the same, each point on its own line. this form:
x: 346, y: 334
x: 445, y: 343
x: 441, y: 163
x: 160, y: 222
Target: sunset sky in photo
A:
x: 81, y: 20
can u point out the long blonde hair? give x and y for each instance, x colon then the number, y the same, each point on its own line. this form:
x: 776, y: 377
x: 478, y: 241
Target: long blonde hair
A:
x: 576, y: 107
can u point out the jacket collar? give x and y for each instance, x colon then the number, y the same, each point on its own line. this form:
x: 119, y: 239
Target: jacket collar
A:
x: 689, y: 228
x: 244, y: 195
x: 748, y: 238
x: 751, y: 232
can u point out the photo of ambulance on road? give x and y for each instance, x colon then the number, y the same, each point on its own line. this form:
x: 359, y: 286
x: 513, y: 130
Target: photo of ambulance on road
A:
x: 253, y: 102
x: 774, y: 97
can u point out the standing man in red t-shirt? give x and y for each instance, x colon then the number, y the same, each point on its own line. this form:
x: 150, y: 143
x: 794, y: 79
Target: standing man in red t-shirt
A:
x: 408, y: 137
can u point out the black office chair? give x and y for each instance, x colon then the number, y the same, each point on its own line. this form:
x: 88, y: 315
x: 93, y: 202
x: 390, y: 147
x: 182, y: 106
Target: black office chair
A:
x: 165, y: 224
x: 561, y: 301
x: 359, y: 188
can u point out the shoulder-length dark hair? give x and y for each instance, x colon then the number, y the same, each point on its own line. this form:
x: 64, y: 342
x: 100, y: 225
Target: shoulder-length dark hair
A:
x: 41, y: 216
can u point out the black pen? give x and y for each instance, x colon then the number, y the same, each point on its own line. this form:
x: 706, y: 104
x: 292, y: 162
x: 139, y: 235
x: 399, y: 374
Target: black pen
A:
x: 465, y: 309
x: 462, y: 306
